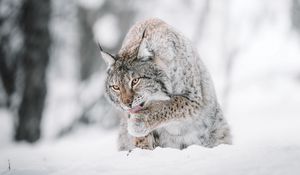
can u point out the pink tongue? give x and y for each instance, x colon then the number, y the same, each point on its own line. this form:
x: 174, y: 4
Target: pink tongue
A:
x: 135, y: 109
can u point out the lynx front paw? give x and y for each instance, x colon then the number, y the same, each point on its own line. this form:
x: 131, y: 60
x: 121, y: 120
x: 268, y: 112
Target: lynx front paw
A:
x: 136, y: 126
x: 143, y: 143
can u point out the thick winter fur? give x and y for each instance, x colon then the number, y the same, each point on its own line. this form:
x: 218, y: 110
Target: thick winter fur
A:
x: 180, y: 107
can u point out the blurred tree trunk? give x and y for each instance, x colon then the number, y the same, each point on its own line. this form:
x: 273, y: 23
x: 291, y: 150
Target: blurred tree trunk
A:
x: 295, y: 18
x: 34, y: 23
x: 7, y: 72
x: 295, y: 14
x: 10, y: 43
x: 88, y: 49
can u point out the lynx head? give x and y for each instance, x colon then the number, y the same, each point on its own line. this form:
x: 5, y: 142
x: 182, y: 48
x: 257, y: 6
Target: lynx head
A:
x: 133, y: 82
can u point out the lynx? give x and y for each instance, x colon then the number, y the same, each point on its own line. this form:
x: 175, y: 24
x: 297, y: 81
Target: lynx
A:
x: 159, y: 81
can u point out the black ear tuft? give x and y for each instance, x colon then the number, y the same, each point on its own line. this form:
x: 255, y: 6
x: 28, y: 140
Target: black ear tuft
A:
x: 100, y: 48
x: 144, y: 53
x: 107, y: 57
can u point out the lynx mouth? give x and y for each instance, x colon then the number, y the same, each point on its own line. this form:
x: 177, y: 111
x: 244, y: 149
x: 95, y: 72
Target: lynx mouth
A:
x: 136, y: 108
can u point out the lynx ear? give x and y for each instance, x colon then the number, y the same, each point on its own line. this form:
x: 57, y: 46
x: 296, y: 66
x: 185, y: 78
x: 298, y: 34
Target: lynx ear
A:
x: 108, y: 58
x: 144, y: 53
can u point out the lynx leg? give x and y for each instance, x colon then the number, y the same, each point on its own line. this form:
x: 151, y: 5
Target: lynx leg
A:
x: 146, y: 142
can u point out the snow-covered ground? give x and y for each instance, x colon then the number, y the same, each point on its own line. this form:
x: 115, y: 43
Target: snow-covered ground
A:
x: 262, y: 105
x: 262, y: 145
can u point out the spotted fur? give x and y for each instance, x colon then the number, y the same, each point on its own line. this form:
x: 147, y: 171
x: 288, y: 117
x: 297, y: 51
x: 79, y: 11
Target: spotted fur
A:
x: 180, y: 105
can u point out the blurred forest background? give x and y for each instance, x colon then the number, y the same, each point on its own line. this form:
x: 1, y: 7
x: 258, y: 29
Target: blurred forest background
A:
x: 52, y: 76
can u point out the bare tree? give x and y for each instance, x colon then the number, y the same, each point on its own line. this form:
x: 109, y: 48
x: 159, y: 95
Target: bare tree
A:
x: 34, y: 23
x: 295, y: 14
x: 295, y: 18
x: 10, y: 37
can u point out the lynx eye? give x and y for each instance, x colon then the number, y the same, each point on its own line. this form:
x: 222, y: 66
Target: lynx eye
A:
x: 135, y: 82
x: 115, y: 87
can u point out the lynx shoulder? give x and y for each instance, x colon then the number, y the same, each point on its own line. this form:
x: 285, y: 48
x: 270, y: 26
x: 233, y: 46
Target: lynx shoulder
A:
x: 166, y: 92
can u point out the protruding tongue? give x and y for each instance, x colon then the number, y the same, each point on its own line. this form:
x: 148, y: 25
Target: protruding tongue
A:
x: 135, y: 109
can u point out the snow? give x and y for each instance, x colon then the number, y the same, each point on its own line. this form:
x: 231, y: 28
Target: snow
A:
x: 274, y: 150
x: 262, y: 105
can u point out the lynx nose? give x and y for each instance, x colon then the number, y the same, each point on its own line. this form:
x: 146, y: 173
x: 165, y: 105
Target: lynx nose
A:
x: 128, y: 102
